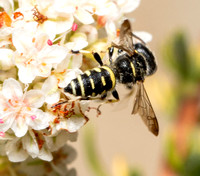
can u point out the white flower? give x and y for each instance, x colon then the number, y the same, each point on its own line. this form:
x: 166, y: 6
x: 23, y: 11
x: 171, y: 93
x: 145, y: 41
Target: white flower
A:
x: 33, y: 56
x: 20, y: 111
x: 6, y: 59
x: 15, y: 151
x: 69, y: 116
x: 76, y: 8
x: 36, y: 145
x: 50, y: 19
x: 57, y: 166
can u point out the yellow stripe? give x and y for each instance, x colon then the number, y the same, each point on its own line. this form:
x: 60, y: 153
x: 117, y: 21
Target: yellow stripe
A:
x: 81, y: 85
x: 133, y: 68
x: 73, y: 87
x: 103, y: 80
x: 87, y: 72
x: 92, y: 83
x: 97, y: 69
x: 112, y: 76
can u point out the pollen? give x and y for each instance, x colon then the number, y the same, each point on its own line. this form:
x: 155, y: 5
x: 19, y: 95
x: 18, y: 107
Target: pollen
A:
x: 5, y: 19
x: 33, y: 40
x: 118, y: 32
x: 5, y: 109
x: 44, y: 64
x: 17, y: 15
x: 28, y: 108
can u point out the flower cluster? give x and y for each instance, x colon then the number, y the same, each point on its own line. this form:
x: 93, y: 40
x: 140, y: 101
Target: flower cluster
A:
x: 36, y: 43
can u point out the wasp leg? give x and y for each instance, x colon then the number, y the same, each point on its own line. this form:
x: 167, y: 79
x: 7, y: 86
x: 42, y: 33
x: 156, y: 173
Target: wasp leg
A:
x: 110, y: 53
x: 107, y: 101
x: 115, y: 95
x: 58, y: 104
x: 97, y: 58
x: 103, y: 96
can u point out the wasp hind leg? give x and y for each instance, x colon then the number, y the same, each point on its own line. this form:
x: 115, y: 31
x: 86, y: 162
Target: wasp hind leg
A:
x: 115, y: 95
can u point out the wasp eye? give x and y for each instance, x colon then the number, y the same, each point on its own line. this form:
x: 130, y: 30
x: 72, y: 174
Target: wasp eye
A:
x: 120, y: 51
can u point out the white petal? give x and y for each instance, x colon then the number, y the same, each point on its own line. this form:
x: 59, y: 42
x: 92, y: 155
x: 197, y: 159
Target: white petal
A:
x: 145, y: 36
x: 128, y: 6
x: 19, y: 126
x: 26, y: 74
x: 61, y: 67
x: 53, y: 54
x: 58, y: 26
x: 53, y: 98
x: 12, y: 89
x: 69, y: 76
x: 55, y: 143
x: 34, y: 98
x: 44, y: 70
x: 75, y: 123
x: 111, y: 29
x: 23, y: 39
x: 45, y: 154
x: 50, y: 89
x: 41, y: 41
x: 77, y: 61
x: 6, y: 61
x: 80, y: 44
x: 84, y: 16
x: 30, y: 144
x: 38, y: 120
x: 8, y: 119
x: 15, y: 151
x: 5, y: 32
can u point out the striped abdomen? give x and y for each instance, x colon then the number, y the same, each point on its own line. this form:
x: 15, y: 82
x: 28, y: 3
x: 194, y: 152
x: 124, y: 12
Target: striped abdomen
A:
x: 92, y: 82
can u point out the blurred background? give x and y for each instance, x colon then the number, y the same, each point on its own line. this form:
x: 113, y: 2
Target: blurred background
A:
x: 119, y: 144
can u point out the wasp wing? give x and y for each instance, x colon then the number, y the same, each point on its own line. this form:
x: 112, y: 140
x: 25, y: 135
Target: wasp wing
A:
x: 143, y: 107
x: 125, y: 38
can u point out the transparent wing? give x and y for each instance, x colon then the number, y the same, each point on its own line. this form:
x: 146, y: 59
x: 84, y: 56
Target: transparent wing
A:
x: 143, y: 107
x: 125, y: 38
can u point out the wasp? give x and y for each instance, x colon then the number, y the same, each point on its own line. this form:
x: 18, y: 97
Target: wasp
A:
x: 133, y: 64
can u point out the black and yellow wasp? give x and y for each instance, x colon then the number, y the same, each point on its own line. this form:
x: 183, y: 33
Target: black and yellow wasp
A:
x: 133, y: 64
